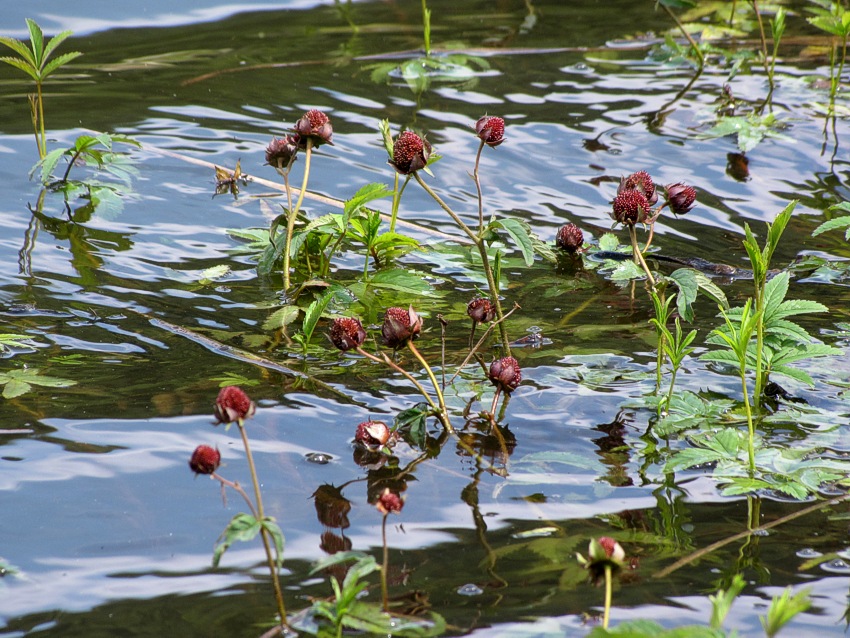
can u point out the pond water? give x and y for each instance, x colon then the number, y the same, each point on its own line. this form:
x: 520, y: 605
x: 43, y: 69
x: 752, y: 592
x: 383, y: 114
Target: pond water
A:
x: 110, y: 532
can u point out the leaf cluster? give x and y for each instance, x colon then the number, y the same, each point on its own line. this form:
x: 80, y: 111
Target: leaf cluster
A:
x: 35, y: 60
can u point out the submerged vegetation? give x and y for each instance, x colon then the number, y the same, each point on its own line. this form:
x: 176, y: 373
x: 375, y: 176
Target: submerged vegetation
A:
x: 359, y: 271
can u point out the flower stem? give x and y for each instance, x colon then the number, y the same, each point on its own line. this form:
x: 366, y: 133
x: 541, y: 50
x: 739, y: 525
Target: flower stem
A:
x: 478, y: 188
x: 397, y: 193
x: 694, y: 46
x: 293, y: 215
x: 278, y: 593
x: 444, y: 413
x: 384, y: 593
x: 608, y: 588
x: 392, y: 364
x: 639, y: 255
x: 482, y: 250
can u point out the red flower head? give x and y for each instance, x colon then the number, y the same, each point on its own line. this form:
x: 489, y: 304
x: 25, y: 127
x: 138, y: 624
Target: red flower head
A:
x: 505, y: 374
x: 642, y: 182
x: 389, y: 502
x: 680, y: 198
x: 232, y: 405
x: 347, y: 333
x: 205, y: 460
x: 400, y: 326
x: 491, y: 130
x: 373, y: 434
x: 281, y: 151
x: 481, y: 310
x: 315, y: 125
x: 630, y: 208
x: 602, y: 553
x: 569, y: 238
x: 410, y: 153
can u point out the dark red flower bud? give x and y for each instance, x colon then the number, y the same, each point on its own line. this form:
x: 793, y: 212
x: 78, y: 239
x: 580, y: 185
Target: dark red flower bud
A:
x: 680, y: 198
x: 630, y: 207
x: 205, y: 460
x: 400, y: 326
x: 491, y: 130
x: 569, y: 238
x: 481, y: 310
x: 505, y: 374
x: 613, y: 549
x: 642, y: 182
x: 347, y: 333
x: 281, y: 151
x: 389, y: 502
x: 410, y: 153
x: 315, y: 125
x: 232, y: 405
x: 373, y: 434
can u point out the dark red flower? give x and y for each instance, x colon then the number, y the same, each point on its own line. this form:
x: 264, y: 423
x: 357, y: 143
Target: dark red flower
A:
x: 569, y: 238
x: 481, y: 310
x: 389, y: 502
x: 233, y: 404
x: 347, y: 333
x: 281, y: 151
x: 205, y: 460
x: 491, y: 130
x: 400, y: 326
x: 680, y: 198
x: 505, y: 374
x: 315, y: 125
x: 642, y: 182
x: 373, y: 434
x: 410, y: 153
x: 630, y: 207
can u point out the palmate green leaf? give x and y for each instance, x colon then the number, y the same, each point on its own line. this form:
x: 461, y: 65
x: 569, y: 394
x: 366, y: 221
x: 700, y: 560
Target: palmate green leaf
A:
x: 609, y: 242
x: 23, y: 50
x: 774, y: 292
x: 37, y: 41
x: 344, y: 557
x: 793, y: 373
x: 744, y: 485
x: 402, y: 281
x: 10, y: 340
x: 838, y: 222
x: 520, y: 233
x: 55, y: 41
x: 369, y: 617
x: 15, y: 388
x: 651, y: 629
x: 686, y: 281
x: 366, y: 194
x: 690, y: 457
x: 783, y: 609
x: 626, y: 271
x: 59, y: 61
x: 281, y: 318
x: 242, y: 527
x: 314, y: 312
x: 23, y: 65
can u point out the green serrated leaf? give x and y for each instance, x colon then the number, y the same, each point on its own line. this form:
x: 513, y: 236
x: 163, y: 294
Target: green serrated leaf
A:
x: 242, y: 527
x: 281, y: 318
x: 521, y: 235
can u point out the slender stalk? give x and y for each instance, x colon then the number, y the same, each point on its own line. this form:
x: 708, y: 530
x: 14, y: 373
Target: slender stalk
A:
x: 638, y: 255
x: 42, y: 148
x: 482, y: 250
x: 751, y: 430
x: 496, y: 396
x: 258, y: 496
x: 392, y: 364
x: 608, y: 590
x: 384, y: 592
x: 413, y: 349
x: 478, y: 189
x: 238, y: 489
x: 694, y: 46
x: 764, y: 59
x: 397, y: 193
x: 690, y: 558
x: 293, y: 214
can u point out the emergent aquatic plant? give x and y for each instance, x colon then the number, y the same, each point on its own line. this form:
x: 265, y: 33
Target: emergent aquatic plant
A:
x: 234, y: 406
x: 35, y: 62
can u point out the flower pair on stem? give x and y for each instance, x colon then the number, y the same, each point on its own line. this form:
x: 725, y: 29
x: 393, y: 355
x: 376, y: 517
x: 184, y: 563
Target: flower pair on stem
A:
x: 313, y: 129
x: 234, y: 406
x: 636, y: 195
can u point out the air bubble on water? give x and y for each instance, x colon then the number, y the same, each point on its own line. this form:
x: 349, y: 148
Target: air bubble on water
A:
x: 470, y: 589
x: 761, y: 532
x: 808, y: 552
x: 319, y: 458
x: 836, y: 566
